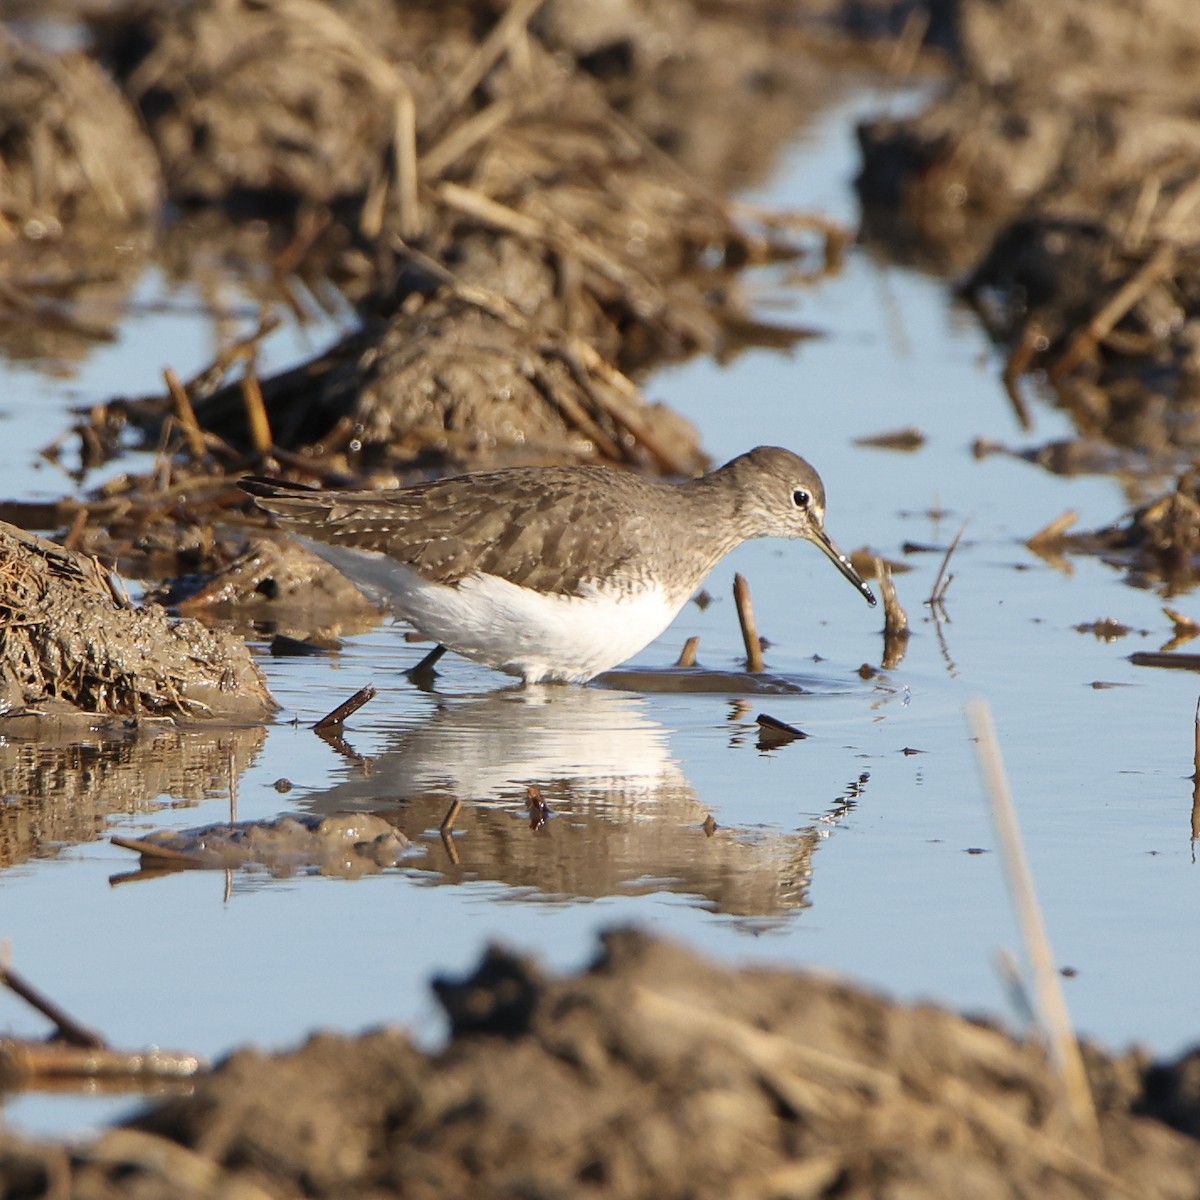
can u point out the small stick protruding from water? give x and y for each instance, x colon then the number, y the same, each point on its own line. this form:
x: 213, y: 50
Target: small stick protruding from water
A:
x: 895, y: 620
x: 345, y: 709
x: 1196, y: 785
x: 937, y: 597
x: 687, y: 656
x: 450, y: 817
x: 233, y: 797
x: 773, y: 733
x: 446, y: 828
x: 745, y: 612
x: 69, y: 1029
x: 1052, y: 1006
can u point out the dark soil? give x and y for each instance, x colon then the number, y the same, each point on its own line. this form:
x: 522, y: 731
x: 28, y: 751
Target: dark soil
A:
x: 654, y: 1074
x: 1058, y: 172
x: 73, y: 648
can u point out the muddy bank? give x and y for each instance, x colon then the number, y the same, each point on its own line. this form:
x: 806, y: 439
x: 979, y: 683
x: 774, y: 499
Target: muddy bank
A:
x: 1057, y: 174
x: 74, y: 649
x: 653, y: 1074
x: 1055, y: 177
x: 526, y: 204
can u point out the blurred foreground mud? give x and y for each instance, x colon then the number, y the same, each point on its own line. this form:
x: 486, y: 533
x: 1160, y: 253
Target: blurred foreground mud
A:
x: 652, y: 1074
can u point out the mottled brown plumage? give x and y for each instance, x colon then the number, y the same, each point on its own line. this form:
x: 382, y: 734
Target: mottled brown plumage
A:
x: 559, y: 531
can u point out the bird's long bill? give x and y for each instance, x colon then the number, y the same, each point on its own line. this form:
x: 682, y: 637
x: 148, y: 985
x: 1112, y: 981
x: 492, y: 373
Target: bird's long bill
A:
x: 843, y: 563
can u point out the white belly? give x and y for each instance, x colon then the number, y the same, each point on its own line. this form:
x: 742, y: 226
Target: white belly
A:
x: 512, y: 628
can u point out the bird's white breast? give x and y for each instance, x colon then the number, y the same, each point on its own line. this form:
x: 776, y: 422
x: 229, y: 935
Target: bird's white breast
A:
x: 511, y: 628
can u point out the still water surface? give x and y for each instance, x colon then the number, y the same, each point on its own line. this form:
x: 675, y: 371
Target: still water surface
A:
x: 846, y: 851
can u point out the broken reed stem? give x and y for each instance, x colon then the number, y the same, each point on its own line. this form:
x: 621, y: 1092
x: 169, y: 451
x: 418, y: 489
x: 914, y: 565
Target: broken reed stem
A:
x: 450, y: 817
x: 233, y: 793
x: 745, y: 612
x: 687, y: 656
x: 185, y: 413
x: 256, y: 410
x: 345, y: 709
x: 895, y: 620
x: 1052, y: 1006
x: 1196, y: 783
x: 486, y: 55
x: 405, y: 169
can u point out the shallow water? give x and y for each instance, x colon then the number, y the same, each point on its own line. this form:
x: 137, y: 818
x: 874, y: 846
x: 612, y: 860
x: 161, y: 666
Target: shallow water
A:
x: 845, y: 851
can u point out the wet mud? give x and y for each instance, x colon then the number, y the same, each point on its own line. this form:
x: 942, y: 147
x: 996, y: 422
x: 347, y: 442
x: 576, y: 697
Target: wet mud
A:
x: 344, y: 844
x: 652, y: 1074
x: 73, y: 647
x: 526, y: 207
x: 1055, y: 176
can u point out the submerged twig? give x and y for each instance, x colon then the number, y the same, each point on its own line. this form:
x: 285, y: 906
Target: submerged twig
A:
x: 1052, y: 1006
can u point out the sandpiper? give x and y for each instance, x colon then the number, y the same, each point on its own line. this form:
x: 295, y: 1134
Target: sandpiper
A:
x: 553, y: 573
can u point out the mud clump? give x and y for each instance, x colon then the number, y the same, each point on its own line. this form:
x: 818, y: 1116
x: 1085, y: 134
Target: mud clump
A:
x: 344, y: 844
x: 1059, y: 172
x: 1158, y: 543
x: 72, y: 648
x: 653, y: 1074
x: 71, y: 147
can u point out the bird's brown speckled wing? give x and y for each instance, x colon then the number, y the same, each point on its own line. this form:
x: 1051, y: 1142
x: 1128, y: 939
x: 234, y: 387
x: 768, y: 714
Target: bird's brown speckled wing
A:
x: 549, y: 523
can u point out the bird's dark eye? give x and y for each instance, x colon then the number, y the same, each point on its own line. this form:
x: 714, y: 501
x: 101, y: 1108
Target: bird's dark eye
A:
x: 800, y: 498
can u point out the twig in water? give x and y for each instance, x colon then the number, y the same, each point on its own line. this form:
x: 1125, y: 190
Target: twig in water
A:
x: 233, y: 796
x: 1051, y: 1004
x: 450, y: 817
x: 773, y: 733
x: 937, y: 597
x: 345, y: 709
x: 687, y: 656
x: 745, y: 612
x: 895, y: 620
x: 1196, y: 784
x: 446, y: 828
x: 68, y: 1028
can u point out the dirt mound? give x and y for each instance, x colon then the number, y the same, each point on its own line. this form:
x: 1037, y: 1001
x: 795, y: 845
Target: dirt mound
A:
x: 72, y: 647
x: 654, y: 1074
x: 1059, y: 169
